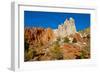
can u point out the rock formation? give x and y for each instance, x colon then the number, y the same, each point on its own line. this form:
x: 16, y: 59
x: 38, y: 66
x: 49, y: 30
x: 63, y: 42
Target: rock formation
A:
x: 56, y: 44
x: 67, y: 28
x: 35, y: 36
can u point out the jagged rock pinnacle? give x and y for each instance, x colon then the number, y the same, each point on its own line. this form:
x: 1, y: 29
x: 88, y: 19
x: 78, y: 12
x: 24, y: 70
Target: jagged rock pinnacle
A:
x: 67, y: 28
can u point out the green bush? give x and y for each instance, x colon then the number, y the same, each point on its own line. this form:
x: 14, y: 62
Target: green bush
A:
x: 30, y: 54
x: 66, y: 40
x: 56, y: 52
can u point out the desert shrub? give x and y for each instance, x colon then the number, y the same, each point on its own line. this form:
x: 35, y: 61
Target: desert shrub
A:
x: 87, y: 48
x: 84, y: 54
x: 58, y: 39
x: 56, y: 43
x: 66, y: 40
x: 81, y: 55
x: 74, y: 40
x: 30, y: 54
x: 26, y: 46
x: 55, y: 51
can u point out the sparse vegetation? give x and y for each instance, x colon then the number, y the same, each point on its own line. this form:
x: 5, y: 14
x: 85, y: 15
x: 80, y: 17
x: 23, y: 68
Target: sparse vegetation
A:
x: 26, y: 45
x: 61, y: 49
x: 66, y: 40
x: 28, y: 55
x: 55, y: 51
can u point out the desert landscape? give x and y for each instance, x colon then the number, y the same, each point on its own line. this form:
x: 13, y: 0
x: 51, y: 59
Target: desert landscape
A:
x: 63, y: 43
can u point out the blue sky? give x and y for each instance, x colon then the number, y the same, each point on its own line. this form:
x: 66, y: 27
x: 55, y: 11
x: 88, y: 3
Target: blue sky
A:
x: 53, y: 19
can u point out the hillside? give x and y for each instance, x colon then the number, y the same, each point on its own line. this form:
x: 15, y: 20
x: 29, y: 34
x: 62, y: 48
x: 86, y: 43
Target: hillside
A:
x: 48, y: 44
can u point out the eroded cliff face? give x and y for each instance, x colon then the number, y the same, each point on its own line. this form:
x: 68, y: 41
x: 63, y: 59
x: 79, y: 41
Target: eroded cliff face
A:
x: 35, y: 36
x: 37, y: 40
x: 48, y: 36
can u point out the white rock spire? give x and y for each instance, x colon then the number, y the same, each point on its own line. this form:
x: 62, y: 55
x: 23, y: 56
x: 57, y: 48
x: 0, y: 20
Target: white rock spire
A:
x: 67, y: 28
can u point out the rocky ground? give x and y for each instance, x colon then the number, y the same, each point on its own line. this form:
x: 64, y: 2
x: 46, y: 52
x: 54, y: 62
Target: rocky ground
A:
x: 40, y: 45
